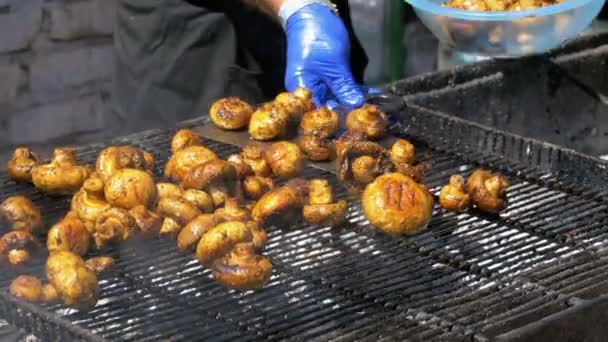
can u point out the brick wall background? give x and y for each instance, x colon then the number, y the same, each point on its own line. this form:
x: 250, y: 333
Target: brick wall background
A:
x: 56, y: 61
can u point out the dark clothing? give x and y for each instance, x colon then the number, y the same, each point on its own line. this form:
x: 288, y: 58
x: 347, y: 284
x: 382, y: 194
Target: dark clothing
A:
x: 175, y: 57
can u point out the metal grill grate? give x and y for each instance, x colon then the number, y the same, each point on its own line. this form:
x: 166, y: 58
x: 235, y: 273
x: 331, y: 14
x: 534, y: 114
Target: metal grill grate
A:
x: 468, y: 276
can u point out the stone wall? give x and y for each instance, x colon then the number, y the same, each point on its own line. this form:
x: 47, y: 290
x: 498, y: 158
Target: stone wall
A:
x: 56, y: 60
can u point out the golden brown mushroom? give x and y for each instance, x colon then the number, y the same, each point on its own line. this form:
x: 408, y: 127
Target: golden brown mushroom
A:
x: 242, y: 269
x: 221, y: 239
x: 168, y: 190
x: 397, y: 205
x: 242, y: 168
x: 368, y: 120
x: 403, y: 152
x: 322, y: 122
x: 255, y: 187
x: 75, y: 284
x: 177, y: 212
x: 128, y: 188
x: 189, y: 237
x: 62, y: 175
x: 360, y: 162
x: 22, y: 214
x: 89, y: 202
x: 115, y: 158
x: 453, y: 196
x: 316, y: 147
x: 487, y: 191
x: 269, y: 122
x: 49, y: 294
x: 69, y: 234
x: 100, y: 264
x: 201, y: 199
x: 326, y: 214
x: 148, y: 222
x: 182, y: 161
x: 253, y: 154
x: 231, y: 211
x: 296, y: 103
x: 113, y: 225
x: 279, y: 206
x: 320, y: 192
x: 26, y: 287
x: 230, y: 113
x: 16, y: 246
x: 285, y: 158
x: 217, y: 177
x: 19, y: 168
x: 185, y: 138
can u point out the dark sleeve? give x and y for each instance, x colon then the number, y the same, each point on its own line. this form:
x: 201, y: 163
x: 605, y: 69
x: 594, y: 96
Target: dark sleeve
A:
x: 358, y: 57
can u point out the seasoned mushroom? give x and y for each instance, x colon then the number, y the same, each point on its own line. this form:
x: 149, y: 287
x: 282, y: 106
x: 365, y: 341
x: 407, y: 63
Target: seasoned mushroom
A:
x: 220, y: 240
x: 285, y: 158
x: 177, y: 212
x: 189, y: 237
x: 326, y: 214
x: 115, y: 158
x: 49, y: 294
x: 242, y: 168
x: 403, y: 152
x: 26, y: 287
x: 62, y: 175
x: 168, y: 190
x: 69, y: 234
x: 113, y: 225
x: 320, y: 192
x: 19, y: 168
x: 75, y: 284
x: 231, y: 212
x: 184, y: 138
x: 217, y: 177
x: 170, y: 227
x: 230, y: 113
x: 148, y: 222
x: 100, y: 264
x: 253, y: 154
x: 255, y: 187
x: 368, y: 120
x: 128, y: 188
x: 89, y: 202
x: 296, y: 103
x: 316, y: 147
x: 322, y: 122
x: 260, y: 237
x: 278, y: 206
x: 22, y: 214
x: 201, y: 199
x: 182, y: 161
x: 360, y: 162
x: 16, y: 246
x: 453, y: 196
x: 487, y: 191
x: 268, y: 122
x: 242, y: 269
x: 397, y: 205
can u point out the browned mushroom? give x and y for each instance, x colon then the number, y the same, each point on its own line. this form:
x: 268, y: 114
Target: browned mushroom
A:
x: 242, y: 168
x: 115, y: 158
x: 128, y: 188
x: 22, y: 214
x: 182, y: 161
x: 89, y: 202
x: 231, y: 211
x: 113, y: 225
x: 184, y: 138
x: 279, y: 206
x: 230, y: 113
x: 100, y: 264
x: 242, y: 269
x: 268, y: 122
x: 148, y: 222
x: 69, y: 234
x: 326, y: 214
x: 320, y: 192
x: 255, y: 187
x: 27, y: 287
x: 316, y: 147
x: 403, y: 152
x: 168, y: 189
x: 296, y: 103
x: 189, y: 237
x: 369, y: 120
x: 285, y: 159
x: 19, y: 168
x: 74, y: 283
x: 217, y: 177
x: 16, y: 246
x: 360, y: 162
x: 201, y: 199
x: 453, y: 196
x: 221, y: 239
x: 487, y: 190
x: 253, y: 154
x: 177, y: 212
x: 322, y: 122
x: 62, y: 175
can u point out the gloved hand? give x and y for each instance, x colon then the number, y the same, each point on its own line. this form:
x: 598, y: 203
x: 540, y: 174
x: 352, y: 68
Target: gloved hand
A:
x: 318, y: 56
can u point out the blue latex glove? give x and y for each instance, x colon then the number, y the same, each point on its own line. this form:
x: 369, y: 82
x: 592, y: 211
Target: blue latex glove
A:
x: 318, y: 56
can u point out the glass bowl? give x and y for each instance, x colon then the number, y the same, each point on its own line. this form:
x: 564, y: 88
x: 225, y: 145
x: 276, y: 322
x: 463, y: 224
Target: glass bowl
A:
x: 507, y: 33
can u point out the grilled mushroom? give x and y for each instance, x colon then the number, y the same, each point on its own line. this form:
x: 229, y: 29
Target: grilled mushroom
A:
x: 177, y: 212
x: 487, y: 191
x: 368, y: 120
x: 220, y: 240
x: 320, y: 192
x: 26, y: 287
x: 316, y: 147
x: 115, y: 158
x: 242, y: 269
x: 253, y: 155
x: 189, y: 237
x: 279, y: 206
x: 360, y: 162
x: 89, y: 202
x: 285, y: 158
x: 217, y: 177
x: 182, y: 161
x: 242, y: 168
x: 184, y: 138
x: 100, y: 264
x: 326, y: 214
x: 168, y: 190
x: 148, y: 222
x: 22, y: 214
x: 296, y: 103
x: 231, y: 211
x: 201, y: 199
x: 397, y: 205
x: 69, y: 234
x: 322, y: 122
x: 453, y: 196
x: 19, y: 168
x: 255, y: 187
x: 128, y: 188
x: 230, y: 113
x: 75, y: 284
x: 269, y: 122
x: 49, y: 294
x: 16, y: 246
x: 62, y: 175
x: 113, y: 225
x: 403, y: 152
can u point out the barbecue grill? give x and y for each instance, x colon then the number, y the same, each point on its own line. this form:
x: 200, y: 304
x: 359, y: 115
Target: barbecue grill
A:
x: 537, y: 271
